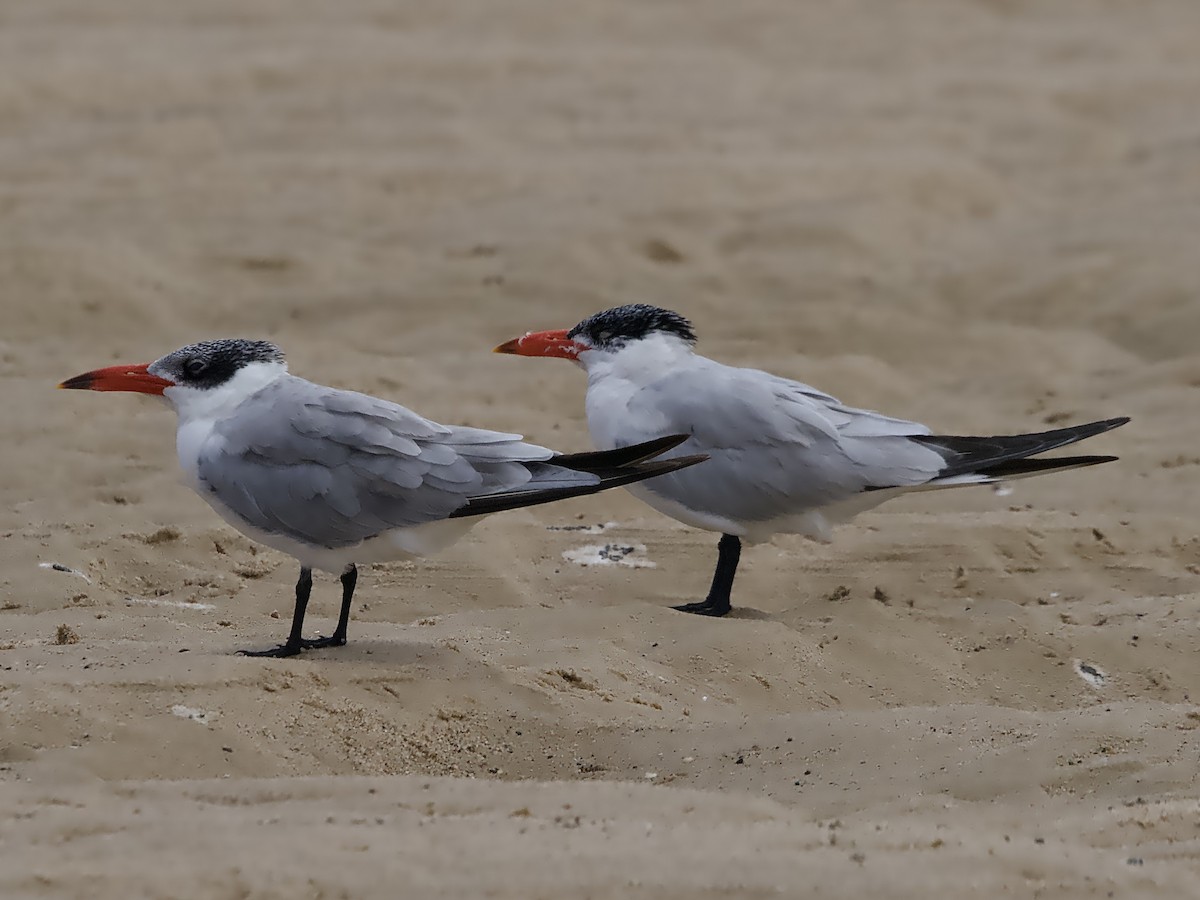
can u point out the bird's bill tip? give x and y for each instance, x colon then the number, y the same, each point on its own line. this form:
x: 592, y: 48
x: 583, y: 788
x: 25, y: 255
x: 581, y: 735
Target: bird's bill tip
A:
x: 553, y: 344
x: 134, y: 378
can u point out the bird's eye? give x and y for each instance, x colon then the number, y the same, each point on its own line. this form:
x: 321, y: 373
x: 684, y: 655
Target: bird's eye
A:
x: 603, y: 336
x: 195, y: 366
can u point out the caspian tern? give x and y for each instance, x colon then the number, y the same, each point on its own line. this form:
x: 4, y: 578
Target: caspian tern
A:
x: 783, y: 457
x: 334, y: 478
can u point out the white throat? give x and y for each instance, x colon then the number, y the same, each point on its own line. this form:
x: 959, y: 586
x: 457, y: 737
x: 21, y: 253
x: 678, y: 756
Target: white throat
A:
x: 638, y: 361
x: 192, y: 404
x: 200, y: 409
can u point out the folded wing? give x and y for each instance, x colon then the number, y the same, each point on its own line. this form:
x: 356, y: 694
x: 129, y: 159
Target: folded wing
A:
x: 777, y: 447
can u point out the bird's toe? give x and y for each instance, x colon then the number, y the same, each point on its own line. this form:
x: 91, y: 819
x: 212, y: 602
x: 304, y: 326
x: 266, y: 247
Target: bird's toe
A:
x: 318, y: 642
x: 704, y: 608
x: 277, y: 652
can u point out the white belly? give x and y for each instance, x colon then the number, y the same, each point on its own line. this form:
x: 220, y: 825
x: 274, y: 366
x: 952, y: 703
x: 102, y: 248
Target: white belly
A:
x: 399, y: 543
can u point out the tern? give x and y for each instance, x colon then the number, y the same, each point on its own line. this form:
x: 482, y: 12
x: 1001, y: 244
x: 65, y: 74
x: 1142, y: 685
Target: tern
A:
x: 336, y: 478
x: 784, y: 458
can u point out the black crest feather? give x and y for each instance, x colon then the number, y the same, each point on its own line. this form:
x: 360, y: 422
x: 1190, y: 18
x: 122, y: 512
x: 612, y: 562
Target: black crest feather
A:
x: 614, y: 327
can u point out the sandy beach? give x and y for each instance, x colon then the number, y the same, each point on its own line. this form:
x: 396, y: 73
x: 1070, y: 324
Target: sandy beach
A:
x: 980, y: 214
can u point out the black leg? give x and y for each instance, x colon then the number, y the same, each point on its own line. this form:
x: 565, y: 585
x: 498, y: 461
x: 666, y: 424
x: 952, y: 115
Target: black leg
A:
x: 729, y: 551
x: 338, y: 638
x: 295, y: 643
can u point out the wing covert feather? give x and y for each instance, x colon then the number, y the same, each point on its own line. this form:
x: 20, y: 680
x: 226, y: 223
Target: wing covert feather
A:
x: 334, y: 468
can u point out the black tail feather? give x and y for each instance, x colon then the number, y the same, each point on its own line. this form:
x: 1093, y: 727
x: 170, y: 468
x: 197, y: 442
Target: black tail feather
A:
x: 987, y: 455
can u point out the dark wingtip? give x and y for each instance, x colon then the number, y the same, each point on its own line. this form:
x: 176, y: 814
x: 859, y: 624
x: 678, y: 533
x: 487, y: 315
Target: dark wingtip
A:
x: 82, y: 382
x: 612, y: 477
x: 1040, y: 465
x: 663, y: 444
x: 966, y: 453
x: 662, y: 466
x: 621, y: 456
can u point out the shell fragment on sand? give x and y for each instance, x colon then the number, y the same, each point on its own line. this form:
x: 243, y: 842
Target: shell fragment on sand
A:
x: 59, y: 567
x: 186, y: 712
x: 628, y: 555
x: 1092, y: 674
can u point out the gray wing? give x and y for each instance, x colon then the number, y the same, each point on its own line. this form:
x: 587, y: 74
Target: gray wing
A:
x: 333, y: 468
x: 776, y: 447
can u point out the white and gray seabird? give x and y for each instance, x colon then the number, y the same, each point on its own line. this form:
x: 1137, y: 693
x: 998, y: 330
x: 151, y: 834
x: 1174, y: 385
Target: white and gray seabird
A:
x: 783, y: 457
x: 334, y: 478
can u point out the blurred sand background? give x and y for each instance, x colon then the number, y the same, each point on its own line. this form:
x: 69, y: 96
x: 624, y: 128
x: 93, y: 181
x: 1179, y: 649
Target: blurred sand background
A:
x: 982, y: 215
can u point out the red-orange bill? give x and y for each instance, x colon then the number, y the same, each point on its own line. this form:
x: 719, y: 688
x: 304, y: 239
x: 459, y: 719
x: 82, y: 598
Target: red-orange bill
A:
x: 135, y: 378
x: 554, y: 344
